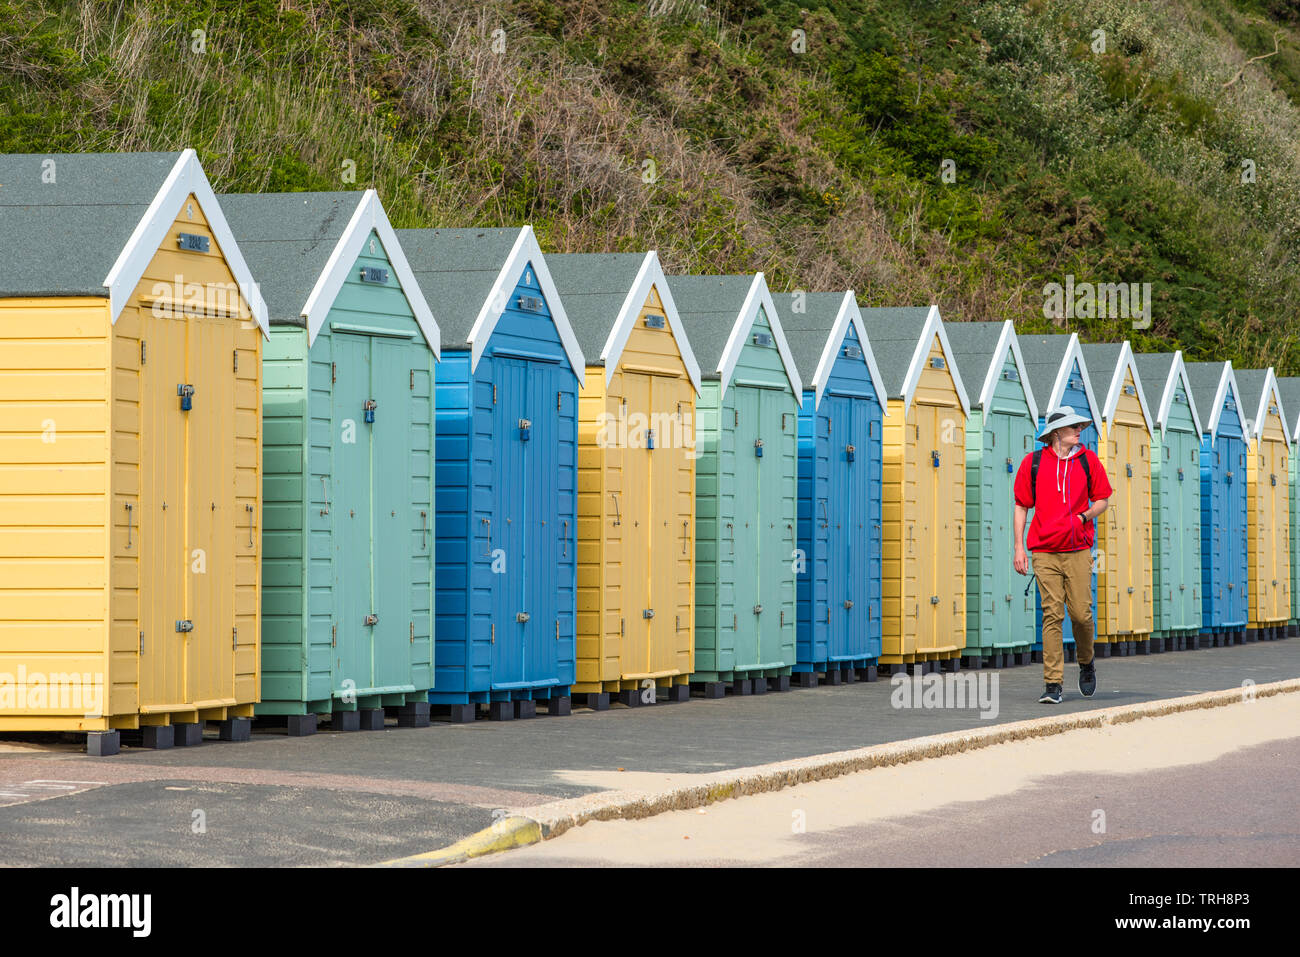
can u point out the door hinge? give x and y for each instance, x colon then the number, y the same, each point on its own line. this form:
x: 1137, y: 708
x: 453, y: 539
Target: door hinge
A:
x: 494, y: 633
x: 557, y: 629
x: 234, y: 638
x: 334, y: 372
x: 494, y: 393
x: 782, y: 617
x: 142, y: 352
x: 622, y: 626
x: 412, y: 386
x: 559, y: 401
x: 236, y: 360
x: 735, y: 622
x: 334, y: 635
x: 412, y: 632
x: 142, y: 642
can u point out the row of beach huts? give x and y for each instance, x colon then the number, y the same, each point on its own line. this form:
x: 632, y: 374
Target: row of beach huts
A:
x: 264, y: 455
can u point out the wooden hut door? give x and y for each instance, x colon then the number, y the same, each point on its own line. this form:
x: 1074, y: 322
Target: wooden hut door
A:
x: 216, y: 532
x: 640, y: 562
x: 923, y: 544
x: 671, y: 540
x: 509, y: 519
x: 393, y: 521
x: 746, y: 563
x: 351, y: 509
x: 160, y: 524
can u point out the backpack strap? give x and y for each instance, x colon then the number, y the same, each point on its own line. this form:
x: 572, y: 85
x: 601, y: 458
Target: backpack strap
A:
x: 1033, y: 472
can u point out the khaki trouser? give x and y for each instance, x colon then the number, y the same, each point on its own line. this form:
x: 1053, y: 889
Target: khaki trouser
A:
x: 1064, y: 581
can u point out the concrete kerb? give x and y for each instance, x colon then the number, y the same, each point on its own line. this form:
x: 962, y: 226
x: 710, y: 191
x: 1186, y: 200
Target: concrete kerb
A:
x: 545, y: 821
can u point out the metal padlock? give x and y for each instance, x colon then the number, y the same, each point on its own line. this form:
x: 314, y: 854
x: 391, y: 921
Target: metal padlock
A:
x: 934, y: 457
x: 758, y: 448
x: 1009, y: 469
x: 851, y: 453
x: 369, y: 409
x: 186, y: 392
x: 525, y: 427
x: 649, y: 438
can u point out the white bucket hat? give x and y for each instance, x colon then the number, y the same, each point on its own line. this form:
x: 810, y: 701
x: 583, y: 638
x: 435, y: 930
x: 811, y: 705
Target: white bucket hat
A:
x: 1058, y: 419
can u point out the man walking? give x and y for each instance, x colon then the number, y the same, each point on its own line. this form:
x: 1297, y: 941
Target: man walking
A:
x: 1066, y: 486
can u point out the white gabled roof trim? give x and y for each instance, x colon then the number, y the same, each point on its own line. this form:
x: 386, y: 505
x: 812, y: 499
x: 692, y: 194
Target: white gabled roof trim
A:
x: 186, y: 177
x: 1227, y: 378
x: 758, y: 295
x: 650, y: 276
x: 525, y: 251
x: 1007, y: 341
x: 1126, y: 361
x: 849, y: 314
x: 369, y: 215
x: 933, y: 327
x: 1177, y: 373
x: 1073, y: 354
x: 1257, y: 425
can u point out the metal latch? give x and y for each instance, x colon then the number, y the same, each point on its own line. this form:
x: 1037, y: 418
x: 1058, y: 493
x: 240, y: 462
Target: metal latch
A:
x: 1130, y: 589
x: 934, y: 599
x: 521, y: 617
x: 758, y: 609
x: 372, y: 619
x: 185, y: 625
x: 369, y: 409
x: 186, y: 392
x: 1272, y: 479
x: 648, y: 613
x: 848, y: 603
x: 525, y: 427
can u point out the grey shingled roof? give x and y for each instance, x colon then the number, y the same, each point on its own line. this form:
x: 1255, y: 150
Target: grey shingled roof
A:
x: 806, y: 332
x: 1251, y: 383
x: 1101, y: 359
x: 288, y: 237
x: 973, y: 345
x: 1204, y: 377
x: 1043, y: 356
x: 1153, y: 367
x: 594, y: 287
x: 62, y: 238
x: 894, y: 333
x: 1289, y: 386
x: 456, y: 269
x: 709, y: 307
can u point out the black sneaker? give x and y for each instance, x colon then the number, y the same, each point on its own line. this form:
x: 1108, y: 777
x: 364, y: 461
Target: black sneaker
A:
x: 1051, y: 695
x: 1088, y: 678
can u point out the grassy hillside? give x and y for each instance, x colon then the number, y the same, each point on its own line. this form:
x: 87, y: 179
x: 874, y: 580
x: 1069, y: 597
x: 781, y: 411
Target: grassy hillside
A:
x: 709, y: 132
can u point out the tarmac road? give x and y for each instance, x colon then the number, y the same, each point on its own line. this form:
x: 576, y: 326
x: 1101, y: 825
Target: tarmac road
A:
x: 366, y: 797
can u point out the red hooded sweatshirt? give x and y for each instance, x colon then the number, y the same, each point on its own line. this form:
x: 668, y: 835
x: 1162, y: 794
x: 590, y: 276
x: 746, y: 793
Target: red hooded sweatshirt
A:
x: 1063, y: 493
